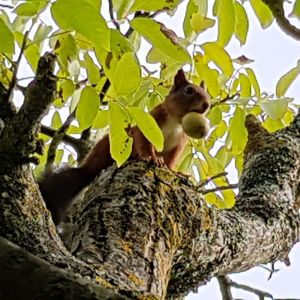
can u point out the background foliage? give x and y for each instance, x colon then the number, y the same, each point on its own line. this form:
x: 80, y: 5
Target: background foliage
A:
x: 105, y: 82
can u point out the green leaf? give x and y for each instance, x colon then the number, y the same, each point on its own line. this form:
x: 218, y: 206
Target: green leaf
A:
x: 253, y: 80
x: 120, y: 142
x: 101, y: 119
x: 237, y: 131
x: 224, y: 156
x: 200, y: 24
x: 219, y: 56
x: 273, y: 125
x: 285, y: 81
x: 275, y: 108
x: 68, y: 88
x: 67, y: 50
x: 127, y: 76
x: 262, y: 12
x: 245, y: 85
x: 30, y: 8
x: 226, y: 24
x: 84, y: 18
x: 148, y: 126
x: 206, y: 74
x: 92, y: 69
x: 41, y: 34
x: 32, y: 52
x: 154, y: 5
x: 7, y: 43
x: 152, y: 32
x: 191, y: 9
x: 229, y: 199
x: 87, y: 107
x: 296, y: 9
x: 241, y: 23
x: 215, y: 115
x: 56, y: 121
x: 221, y: 128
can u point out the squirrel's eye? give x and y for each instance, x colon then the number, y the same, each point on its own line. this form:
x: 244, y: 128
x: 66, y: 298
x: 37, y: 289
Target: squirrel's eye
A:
x: 189, y: 90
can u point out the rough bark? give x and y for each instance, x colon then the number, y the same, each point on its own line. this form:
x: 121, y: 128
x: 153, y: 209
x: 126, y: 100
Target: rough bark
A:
x: 28, y: 277
x: 148, y: 230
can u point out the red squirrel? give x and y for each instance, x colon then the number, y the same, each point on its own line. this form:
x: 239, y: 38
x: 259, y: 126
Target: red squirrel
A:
x: 59, y: 188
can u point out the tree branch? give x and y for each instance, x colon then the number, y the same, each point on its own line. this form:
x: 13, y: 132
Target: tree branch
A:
x: 58, y: 136
x: 18, y: 141
x: 276, y: 6
x: 34, y: 278
x: 225, y: 288
x: 81, y: 147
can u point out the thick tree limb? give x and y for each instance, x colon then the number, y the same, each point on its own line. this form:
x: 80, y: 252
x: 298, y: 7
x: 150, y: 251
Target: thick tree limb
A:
x: 136, y: 217
x: 28, y: 277
x: 18, y: 140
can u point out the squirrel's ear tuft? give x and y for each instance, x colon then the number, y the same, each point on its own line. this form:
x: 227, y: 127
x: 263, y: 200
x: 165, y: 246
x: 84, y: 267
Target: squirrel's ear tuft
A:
x: 179, y: 81
x: 203, y: 85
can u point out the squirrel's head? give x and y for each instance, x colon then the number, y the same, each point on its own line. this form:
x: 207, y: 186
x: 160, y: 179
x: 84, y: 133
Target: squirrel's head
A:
x: 186, y: 97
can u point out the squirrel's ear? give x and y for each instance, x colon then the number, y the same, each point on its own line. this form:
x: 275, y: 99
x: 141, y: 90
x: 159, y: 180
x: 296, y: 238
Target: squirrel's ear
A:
x: 179, y: 81
x: 203, y: 85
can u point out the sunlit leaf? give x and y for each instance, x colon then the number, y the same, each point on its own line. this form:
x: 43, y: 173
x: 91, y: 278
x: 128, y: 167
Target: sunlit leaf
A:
x: 92, y: 69
x: 245, y: 86
x: 285, y: 81
x: 152, y: 31
x: 148, y: 126
x: 215, y: 115
x: 237, y: 131
x: 7, y: 43
x: 56, y: 121
x: 68, y: 87
x: 154, y: 5
x: 127, y: 76
x: 273, y: 125
x: 30, y: 8
x: 241, y: 23
x: 200, y: 23
x: 87, y: 107
x: 219, y: 56
x: 262, y: 12
x: 226, y: 21
x: 253, y: 80
x: 275, y: 108
x: 32, y: 52
x: 296, y: 9
x: 84, y: 18
x: 101, y: 119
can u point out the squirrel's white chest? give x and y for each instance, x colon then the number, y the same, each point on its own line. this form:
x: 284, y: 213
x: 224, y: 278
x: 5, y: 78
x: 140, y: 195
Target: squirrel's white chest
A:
x: 172, y: 131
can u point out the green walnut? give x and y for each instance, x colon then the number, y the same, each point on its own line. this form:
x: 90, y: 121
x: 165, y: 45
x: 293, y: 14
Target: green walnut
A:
x: 195, y: 125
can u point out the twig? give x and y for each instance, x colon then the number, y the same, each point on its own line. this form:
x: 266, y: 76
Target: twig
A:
x: 81, y: 147
x: 206, y: 181
x: 57, y: 138
x: 261, y: 294
x: 221, y: 188
x: 17, y: 64
x: 111, y: 14
x: 271, y: 270
x: 225, y: 99
x: 225, y: 288
x: 6, y: 6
